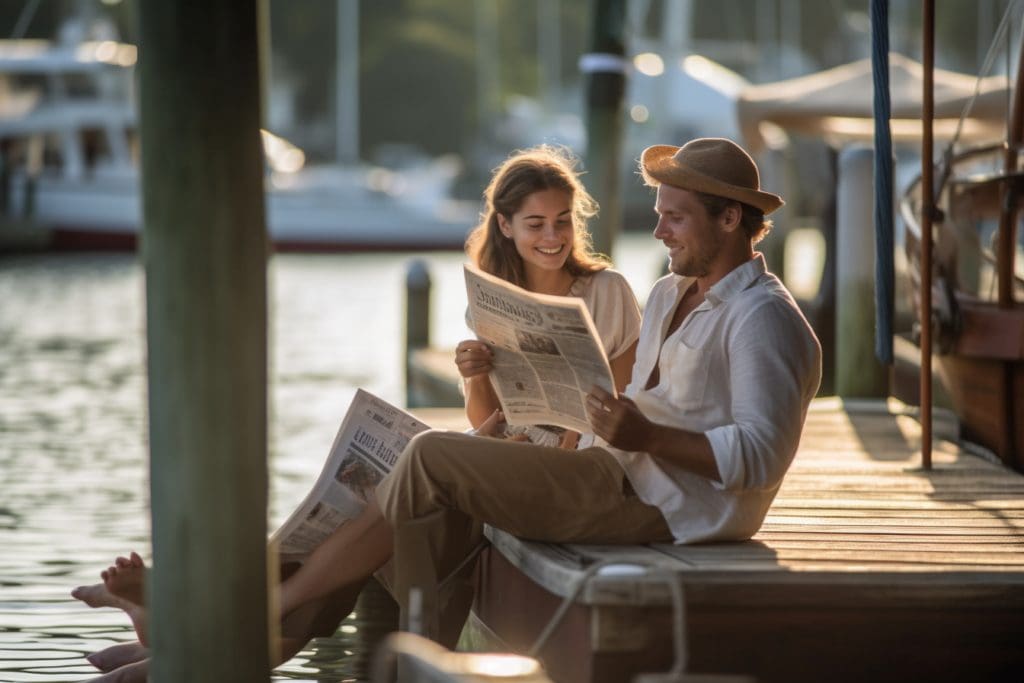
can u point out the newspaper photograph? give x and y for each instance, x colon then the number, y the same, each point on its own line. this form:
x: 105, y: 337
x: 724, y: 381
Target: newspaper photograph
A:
x: 547, y: 354
x: 371, y: 437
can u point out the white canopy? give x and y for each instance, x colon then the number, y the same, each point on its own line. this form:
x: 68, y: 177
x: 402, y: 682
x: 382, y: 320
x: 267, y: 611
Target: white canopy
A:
x: 837, y: 104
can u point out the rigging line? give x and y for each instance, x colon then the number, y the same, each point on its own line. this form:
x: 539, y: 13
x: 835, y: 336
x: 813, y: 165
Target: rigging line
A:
x: 24, y: 19
x: 947, y: 155
x: 985, y: 68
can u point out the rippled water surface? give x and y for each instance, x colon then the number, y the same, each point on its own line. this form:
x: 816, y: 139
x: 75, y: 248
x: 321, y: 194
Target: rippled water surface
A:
x: 73, y: 487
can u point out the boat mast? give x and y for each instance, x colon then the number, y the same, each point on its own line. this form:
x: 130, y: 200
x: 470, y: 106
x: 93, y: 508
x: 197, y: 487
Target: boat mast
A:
x: 1008, y: 210
x: 346, y: 82
x: 927, y: 213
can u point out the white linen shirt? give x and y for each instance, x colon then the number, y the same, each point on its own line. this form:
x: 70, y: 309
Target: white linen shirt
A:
x: 742, y: 368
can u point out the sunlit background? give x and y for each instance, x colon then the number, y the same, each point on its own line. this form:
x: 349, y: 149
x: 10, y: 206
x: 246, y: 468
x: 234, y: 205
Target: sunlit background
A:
x: 395, y: 110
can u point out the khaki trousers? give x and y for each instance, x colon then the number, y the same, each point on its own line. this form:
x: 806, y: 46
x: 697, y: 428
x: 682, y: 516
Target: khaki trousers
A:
x: 447, y: 485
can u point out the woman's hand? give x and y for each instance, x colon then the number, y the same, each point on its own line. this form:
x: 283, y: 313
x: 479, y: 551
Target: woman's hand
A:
x: 473, y: 358
x: 494, y: 426
x: 569, y: 440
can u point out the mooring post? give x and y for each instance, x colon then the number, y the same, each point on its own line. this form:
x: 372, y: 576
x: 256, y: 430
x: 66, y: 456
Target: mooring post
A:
x: 204, y: 248
x: 604, y: 69
x: 858, y: 373
x: 417, y: 322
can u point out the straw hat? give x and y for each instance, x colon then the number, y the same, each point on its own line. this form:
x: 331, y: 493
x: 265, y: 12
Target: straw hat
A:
x: 711, y: 165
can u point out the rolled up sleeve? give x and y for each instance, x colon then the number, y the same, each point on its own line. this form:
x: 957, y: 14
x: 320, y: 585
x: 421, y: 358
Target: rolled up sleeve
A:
x: 772, y: 366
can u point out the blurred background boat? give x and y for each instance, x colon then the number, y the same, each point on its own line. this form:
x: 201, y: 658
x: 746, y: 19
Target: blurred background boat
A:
x: 70, y: 165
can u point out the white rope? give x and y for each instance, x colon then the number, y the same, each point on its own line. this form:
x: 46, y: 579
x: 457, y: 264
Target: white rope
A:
x: 651, y: 571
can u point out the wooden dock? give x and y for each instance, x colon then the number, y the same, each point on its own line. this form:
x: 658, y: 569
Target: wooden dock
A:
x: 866, y: 569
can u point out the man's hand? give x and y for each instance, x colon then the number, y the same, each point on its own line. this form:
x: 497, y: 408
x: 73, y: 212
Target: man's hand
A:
x: 618, y: 421
x: 473, y: 358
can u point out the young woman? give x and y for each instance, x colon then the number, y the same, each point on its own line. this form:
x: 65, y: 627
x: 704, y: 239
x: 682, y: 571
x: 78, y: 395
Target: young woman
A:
x: 534, y: 235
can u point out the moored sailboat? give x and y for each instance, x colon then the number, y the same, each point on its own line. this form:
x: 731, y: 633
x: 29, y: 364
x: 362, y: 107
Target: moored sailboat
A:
x: 976, y: 280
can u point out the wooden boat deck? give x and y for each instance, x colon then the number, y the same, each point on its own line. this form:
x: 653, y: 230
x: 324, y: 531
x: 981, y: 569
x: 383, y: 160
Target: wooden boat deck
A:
x: 867, y: 568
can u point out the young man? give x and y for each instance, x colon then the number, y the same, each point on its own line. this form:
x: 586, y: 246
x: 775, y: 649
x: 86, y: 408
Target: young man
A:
x: 695, y: 449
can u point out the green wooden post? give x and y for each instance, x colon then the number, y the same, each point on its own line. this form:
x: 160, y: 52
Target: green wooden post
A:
x: 204, y: 249
x: 605, y: 69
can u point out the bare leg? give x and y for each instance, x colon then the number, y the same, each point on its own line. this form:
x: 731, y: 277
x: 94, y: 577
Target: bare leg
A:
x: 116, y: 656
x: 125, y: 582
x: 136, y: 672
x: 347, y: 557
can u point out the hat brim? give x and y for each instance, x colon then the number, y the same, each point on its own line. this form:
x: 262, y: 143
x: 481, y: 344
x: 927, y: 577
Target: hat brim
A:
x: 659, y: 163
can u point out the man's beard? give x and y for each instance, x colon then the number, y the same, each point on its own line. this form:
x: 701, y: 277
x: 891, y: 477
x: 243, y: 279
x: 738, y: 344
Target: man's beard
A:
x: 698, y: 264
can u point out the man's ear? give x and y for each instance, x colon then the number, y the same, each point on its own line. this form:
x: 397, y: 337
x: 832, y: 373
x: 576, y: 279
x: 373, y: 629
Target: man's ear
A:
x: 732, y: 216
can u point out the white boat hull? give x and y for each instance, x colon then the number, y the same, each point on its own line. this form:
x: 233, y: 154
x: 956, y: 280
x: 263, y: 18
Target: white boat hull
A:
x: 107, y: 212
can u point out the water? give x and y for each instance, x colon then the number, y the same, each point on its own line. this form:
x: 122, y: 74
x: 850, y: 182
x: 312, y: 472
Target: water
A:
x: 73, y: 422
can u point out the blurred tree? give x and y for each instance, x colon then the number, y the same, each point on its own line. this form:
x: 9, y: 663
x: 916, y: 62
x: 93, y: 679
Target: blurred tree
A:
x: 418, y: 64
x: 417, y: 80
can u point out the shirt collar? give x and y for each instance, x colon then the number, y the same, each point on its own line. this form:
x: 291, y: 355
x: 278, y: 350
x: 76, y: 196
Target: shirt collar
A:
x: 737, y: 280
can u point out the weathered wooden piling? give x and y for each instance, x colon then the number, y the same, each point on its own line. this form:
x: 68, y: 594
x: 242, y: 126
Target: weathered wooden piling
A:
x: 858, y: 373
x: 204, y: 247
x: 605, y: 72
x: 431, y: 379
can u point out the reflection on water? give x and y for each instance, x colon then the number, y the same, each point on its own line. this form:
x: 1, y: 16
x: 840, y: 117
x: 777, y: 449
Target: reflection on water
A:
x: 348, y: 655
x: 73, y: 487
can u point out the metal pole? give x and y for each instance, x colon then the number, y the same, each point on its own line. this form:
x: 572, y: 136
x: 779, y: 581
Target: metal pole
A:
x: 927, y: 213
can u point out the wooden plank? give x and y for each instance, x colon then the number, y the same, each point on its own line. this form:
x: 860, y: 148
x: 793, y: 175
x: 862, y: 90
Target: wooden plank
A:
x: 896, y: 513
x: 1012, y: 542
x: 864, y: 500
x: 867, y: 475
x: 902, y: 534
x: 695, y: 554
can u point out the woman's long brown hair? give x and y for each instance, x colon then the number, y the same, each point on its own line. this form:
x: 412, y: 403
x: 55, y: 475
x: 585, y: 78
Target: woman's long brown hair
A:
x: 536, y: 169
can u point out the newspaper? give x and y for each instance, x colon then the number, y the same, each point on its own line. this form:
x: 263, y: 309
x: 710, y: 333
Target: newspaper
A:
x: 547, y: 354
x: 369, y: 441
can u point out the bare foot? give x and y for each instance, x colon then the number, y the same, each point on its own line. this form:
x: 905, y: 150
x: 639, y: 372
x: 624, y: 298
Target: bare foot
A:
x: 116, y: 656
x: 126, y: 579
x: 136, y: 672
x: 97, y: 595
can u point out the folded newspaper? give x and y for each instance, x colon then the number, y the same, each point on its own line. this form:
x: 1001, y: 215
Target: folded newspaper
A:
x: 547, y: 354
x: 371, y: 437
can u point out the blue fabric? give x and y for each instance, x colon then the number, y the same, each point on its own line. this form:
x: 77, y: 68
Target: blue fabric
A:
x: 884, y: 240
